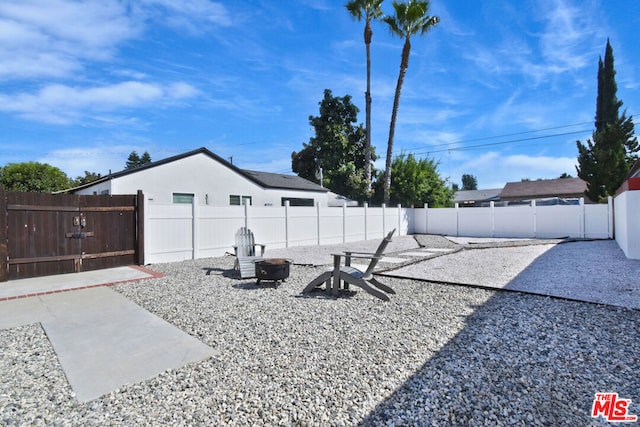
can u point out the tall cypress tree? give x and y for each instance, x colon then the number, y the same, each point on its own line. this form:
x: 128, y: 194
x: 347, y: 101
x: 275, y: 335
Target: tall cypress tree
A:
x: 604, y: 161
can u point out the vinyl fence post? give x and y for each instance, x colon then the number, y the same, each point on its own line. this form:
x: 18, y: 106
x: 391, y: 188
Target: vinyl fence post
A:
x: 457, y: 206
x: 141, y: 223
x: 286, y: 223
x: 610, y: 216
x: 318, y: 222
x: 492, y: 205
x: 246, y: 213
x: 583, y: 222
x: 147, y: 227
x: 399, y: 219
x: 426, y: 218
x: 194, y: 227
x: 366, y: 225
x: 384, y: 219
x: 344, y: 222
x: 535, y: 219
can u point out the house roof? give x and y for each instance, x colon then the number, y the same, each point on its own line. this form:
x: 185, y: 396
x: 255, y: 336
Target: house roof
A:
x: 487, y: 195
x: 560, y: 187
x: 276, y: 180
x: 263, y: 179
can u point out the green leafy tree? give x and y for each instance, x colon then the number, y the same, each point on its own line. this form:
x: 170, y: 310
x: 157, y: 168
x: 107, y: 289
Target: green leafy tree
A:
x: 606, y: 158
x: 410, y: 18
x: 33, y: 176
x: 369, y: 10
x: 134, y: 160
x: 416, y: 182
x: 87, y: 178
x: 337, y: 148
x: 469, y: 182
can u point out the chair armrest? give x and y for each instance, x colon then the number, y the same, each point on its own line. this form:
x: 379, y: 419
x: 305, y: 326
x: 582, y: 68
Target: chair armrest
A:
x: 359, y: 256
x: 359, y: 253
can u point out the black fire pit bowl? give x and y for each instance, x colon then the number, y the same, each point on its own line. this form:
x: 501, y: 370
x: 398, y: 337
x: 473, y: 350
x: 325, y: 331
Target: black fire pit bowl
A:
x: 274, y: 269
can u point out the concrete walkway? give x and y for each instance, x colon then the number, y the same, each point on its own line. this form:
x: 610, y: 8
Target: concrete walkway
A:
x: 35, y: 286
x: 102, y: 339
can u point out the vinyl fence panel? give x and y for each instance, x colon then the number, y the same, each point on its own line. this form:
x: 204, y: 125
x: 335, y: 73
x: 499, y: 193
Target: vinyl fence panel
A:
x: 188, y: 231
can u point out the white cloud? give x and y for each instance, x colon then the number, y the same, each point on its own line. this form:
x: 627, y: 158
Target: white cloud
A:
x: 543, y: 165
x: 494, y: 169
x: 189, y: 14
x: 100, y: 159
x: 63, y: 104
x: 52, y: 38
x: 568, y: 35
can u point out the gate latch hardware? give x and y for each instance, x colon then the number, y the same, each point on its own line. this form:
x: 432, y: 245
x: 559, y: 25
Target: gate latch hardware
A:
x: 80, y: 235
x: 79, y: 221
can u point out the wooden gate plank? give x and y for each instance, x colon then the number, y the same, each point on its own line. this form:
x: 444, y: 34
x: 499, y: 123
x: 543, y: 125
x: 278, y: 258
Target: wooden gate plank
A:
x: 4, y: 238
x: 112, y: 219
x: 62, y: 233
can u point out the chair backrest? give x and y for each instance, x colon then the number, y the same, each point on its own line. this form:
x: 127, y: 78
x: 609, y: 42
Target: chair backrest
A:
x: 245, y: 242
x: 379, y: 252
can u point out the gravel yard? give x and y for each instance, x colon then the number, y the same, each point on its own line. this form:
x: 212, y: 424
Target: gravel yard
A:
x: 434, y: 355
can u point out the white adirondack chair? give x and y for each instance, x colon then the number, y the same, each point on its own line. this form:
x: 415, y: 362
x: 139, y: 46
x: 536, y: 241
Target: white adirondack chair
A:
x: 245, y: 251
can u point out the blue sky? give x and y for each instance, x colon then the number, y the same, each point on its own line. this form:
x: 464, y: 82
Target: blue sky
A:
x: 82, y: 84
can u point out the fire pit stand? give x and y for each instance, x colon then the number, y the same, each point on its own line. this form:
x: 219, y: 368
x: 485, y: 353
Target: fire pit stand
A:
x: 274, y: 269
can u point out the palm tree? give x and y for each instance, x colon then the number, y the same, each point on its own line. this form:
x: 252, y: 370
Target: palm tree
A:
x: 369, y: 9
x: 410, y: 18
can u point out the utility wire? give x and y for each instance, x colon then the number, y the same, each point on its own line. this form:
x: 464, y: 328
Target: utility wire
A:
x: 473, y: 147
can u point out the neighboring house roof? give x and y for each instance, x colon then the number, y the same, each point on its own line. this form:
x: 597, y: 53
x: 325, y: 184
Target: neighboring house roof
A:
x: 546, y: 188
x: 635, y: 170
x: 263, y: 179
x: 467, y: 196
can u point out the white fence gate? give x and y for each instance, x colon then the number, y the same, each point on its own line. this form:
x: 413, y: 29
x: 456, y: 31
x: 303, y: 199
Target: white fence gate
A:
x: 179, y: 232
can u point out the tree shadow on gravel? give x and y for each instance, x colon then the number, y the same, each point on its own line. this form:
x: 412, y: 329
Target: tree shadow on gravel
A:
x: 522, y: 360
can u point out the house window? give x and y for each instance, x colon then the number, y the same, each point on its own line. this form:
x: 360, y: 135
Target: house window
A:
x: 183, y: 198
x: 296, y: 201
x: 235, y: 200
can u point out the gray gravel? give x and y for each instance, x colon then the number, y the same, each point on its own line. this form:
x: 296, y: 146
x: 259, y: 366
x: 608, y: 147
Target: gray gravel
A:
x: 321, y: 255
x: 434, y: 355
x: 594, y: 271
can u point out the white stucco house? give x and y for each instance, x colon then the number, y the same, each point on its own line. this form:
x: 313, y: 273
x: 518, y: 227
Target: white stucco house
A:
x: 212, y: 181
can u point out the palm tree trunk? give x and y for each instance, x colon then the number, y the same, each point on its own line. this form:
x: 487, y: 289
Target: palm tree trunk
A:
x: 367, y: 144
x: 404, y: 64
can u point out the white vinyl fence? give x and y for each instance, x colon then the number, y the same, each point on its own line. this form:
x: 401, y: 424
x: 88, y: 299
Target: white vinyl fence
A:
x: 179, y: 232
x: 520, y: 221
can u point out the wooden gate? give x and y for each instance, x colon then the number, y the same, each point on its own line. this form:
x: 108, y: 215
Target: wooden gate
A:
x: 49, y: 234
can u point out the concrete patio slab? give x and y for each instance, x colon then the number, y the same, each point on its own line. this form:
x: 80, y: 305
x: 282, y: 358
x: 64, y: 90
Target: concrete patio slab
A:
x: 104, y: 341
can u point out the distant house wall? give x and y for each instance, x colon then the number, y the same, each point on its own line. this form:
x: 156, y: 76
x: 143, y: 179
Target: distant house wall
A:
x: 211, y: 182
x: 627, y: 218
